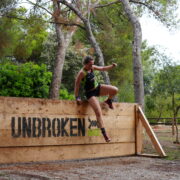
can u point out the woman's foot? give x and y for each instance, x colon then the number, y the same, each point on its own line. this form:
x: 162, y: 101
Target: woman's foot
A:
x: 106, y: 137
x: 109, y: 103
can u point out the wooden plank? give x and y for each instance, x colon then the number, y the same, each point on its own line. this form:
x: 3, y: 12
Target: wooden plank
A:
x: 94, y: 137
x: 120, y: 128
x: 138, y: 132
x: 42, y: 129
x: 2, y: 109
x: 151, y: 134
x: 48, y: 107
x: 149, y: 155
x: 50, y: 153
x: 6, y: 120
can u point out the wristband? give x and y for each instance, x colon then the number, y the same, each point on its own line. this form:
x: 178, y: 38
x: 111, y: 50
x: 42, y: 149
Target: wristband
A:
x: 78, y: 97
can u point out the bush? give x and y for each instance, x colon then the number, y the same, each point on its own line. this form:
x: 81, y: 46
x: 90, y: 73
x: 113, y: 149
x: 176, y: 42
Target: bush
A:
x: 65, y: 95
x: 24, y: 80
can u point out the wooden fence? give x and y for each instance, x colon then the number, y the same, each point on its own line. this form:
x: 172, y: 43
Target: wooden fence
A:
x: 43, y: 130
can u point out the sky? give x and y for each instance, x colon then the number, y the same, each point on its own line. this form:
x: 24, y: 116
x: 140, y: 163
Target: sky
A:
x: 157, y: 34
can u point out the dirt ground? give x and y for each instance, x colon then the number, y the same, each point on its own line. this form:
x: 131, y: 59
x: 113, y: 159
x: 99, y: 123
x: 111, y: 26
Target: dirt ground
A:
x: 119, y: 168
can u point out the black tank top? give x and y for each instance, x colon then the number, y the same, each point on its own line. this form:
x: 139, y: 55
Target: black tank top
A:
x: 89, y: 80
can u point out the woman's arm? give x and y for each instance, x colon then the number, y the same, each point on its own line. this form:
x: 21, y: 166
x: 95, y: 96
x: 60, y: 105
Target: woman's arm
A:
x: 104, y: 68
x: 78, y: 82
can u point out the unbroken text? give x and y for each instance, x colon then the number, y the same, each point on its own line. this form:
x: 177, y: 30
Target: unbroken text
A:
x: 46, y: 127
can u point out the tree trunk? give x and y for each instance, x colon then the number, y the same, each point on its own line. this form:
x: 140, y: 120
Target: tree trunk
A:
x: 177, y: 133
x: 63, y: 39
x: 97, y: 49
x: 161, y: 108
x: 173, y: 119
x: 137, y: 65
x: 58, y: 65
x: 174, y: 123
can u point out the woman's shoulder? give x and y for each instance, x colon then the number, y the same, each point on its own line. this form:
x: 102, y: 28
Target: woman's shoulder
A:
x: 82, y: 72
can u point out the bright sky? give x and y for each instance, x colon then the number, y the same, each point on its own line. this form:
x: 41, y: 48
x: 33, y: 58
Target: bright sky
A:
x: 157, y: 34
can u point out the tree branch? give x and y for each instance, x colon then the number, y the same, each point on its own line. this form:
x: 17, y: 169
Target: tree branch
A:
x: 13, y: 17
x: 52, y: 22
x: 35, y: 4
x: 89, y: 12
x: 74, y: 9
x: 105, y: 5
x: 146, y: 5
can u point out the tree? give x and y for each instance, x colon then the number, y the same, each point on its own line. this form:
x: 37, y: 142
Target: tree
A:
x: 137, y: 65
x: 32, y: 36
x: 6, y: 6
x: 48, y: 53
x: 167, y: 84
x: 66, y: 21
x: 63, y: 37
x: 138, y: 73
x: 22, y: 39
x: 86, y: 21
x: 64, y: 27
x: 163, y: 10
x: 113, y: 32
x: 163, y: 7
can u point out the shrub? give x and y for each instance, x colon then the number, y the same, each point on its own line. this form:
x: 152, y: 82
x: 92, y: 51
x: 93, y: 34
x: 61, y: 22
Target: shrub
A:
x: 24, y: 80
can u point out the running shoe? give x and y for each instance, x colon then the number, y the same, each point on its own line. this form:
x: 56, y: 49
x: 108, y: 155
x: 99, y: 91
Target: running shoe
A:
x: 109, y: 103
x: 107, y: 139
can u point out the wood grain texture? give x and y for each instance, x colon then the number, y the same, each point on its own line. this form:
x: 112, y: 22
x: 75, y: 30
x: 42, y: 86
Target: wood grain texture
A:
x: 50, y: 153
x: 42, y: 129
x: 151, y: 134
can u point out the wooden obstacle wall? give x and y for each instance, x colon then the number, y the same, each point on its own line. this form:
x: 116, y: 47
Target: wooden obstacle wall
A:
x: 44, y: 130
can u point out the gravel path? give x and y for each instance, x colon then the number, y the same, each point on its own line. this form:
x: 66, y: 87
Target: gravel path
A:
x: 121, y: 168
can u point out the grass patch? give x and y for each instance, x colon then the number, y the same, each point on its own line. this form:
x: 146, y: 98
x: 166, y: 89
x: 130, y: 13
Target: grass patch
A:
x: 2, y: 174
x: 173, y: 155
x: 166, y: 140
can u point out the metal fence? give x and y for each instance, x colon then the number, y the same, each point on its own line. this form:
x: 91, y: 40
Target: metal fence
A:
x: 163, y: 121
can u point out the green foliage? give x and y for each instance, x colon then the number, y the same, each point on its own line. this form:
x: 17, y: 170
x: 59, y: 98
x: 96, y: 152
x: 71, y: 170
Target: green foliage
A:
x: 167, y: 80
x: 161, y: 83
x: 114, y: 34
x: 22, y: 39
x: 64, y: 94
x: 126, y: 92
x: 163, y: 10
x: 8, y: 37
x: 29, y: 40
x: 148, y: 61
x: 165, y: 90
x: 24, y: 80
x: 7, y: 5
x: 48, y: 53
x: 72, y: 65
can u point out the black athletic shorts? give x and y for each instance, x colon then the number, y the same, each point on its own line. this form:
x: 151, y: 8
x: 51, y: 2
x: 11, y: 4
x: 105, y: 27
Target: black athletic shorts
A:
x: 94, y: 92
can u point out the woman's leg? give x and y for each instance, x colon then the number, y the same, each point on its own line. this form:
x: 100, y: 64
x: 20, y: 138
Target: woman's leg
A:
x: 110, y: 91
x: 94, y: 103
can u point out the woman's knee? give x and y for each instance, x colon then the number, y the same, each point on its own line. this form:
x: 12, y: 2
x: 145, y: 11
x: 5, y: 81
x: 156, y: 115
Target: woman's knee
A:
x: 115, y: 90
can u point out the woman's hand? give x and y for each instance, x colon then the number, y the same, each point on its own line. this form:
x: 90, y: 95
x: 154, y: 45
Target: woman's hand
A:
x: 78, y: 100
x: 114, y: 64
